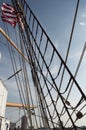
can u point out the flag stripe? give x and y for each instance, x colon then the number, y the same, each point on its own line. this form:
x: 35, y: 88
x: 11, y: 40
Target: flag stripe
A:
x: 8, y: 11
x: 8, y: 17
x: 10, y: 22
x: 8, y: 14
x: 9, y: 7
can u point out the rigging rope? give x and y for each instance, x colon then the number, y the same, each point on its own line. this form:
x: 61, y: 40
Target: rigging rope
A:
x: 43, y: 79
x: 55, y: 106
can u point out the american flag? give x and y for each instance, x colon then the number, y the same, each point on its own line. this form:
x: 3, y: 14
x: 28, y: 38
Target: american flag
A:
x: 9, y: 14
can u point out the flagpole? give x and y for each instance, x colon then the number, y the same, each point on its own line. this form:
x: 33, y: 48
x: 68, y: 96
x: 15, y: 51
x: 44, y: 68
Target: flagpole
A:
x: 13, y: 44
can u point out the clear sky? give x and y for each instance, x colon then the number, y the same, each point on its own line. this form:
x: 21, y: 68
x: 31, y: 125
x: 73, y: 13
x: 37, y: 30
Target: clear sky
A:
x: 56, y: 17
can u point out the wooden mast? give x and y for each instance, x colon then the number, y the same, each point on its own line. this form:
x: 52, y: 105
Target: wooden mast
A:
x: 13, y: 44
x: 11, y: 104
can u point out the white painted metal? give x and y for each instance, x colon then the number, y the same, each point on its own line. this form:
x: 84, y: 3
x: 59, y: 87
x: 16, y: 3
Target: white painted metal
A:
x: 3, y: 99
x: 4, y: 124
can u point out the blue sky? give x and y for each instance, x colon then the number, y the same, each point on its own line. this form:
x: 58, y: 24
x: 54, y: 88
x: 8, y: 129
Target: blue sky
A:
x: 56, y: 17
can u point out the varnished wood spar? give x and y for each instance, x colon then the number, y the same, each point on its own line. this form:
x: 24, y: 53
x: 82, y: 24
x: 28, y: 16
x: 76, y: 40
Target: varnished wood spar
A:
x: 13, y: 44
x: 11, y: 104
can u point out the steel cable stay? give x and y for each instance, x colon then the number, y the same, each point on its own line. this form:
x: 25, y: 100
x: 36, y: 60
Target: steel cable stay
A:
x: 31, y: 100
x: 42, y: 99
x: 32, y: 64
x: 29, y: 95
x: 26, y: 100
x: 46, y: 77
x: 48, y: 119
x: 77, y: 69
x: 22, y: 88
x: 50, y: 88
x: 11, y: 54
x: 18, y: 78
x: 68, y: 49
x: 29, y: 89
x: 80, y: 61
x: 70, y: 40
x: 41, y: 111
x: 42, y: 57
x: 37, y: 44
x: 41, y: 92
x: 63, y: 63
x: 56, y: 110
x: 39, y: 108
x: 45, y: 52
x: 26, y: 92
x: 26, y: 85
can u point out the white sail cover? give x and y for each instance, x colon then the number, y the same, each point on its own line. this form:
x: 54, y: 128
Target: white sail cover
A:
x: 3, y: 99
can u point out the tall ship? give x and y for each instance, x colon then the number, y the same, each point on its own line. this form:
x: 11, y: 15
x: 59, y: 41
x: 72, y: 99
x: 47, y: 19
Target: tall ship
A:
x: 45, y: 86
